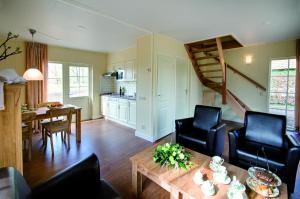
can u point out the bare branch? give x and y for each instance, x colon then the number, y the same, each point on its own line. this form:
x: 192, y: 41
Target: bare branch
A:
x: 5, y: 53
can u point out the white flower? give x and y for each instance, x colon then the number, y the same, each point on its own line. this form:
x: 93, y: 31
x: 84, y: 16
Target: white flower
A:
x: 181, y: 156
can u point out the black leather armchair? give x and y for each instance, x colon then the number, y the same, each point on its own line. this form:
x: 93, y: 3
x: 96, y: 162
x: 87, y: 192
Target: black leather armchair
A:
x: 204, y: 132
x: 81, y: 180
x: 263, y: 140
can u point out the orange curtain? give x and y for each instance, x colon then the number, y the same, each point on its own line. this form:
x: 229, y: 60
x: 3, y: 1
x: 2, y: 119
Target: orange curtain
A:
x: 36, y: 56
x: 297, y: 102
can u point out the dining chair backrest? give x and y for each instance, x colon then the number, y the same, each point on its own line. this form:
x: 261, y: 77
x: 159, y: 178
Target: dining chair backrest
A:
x: 61, y: 112
x: 45, y: 104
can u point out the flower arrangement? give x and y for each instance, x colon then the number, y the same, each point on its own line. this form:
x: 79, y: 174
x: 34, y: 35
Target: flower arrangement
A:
x: 172, y: 155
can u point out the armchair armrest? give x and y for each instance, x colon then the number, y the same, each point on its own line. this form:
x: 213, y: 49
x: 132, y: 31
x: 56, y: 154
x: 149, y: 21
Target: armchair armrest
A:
x: 234, y: 136
x: 216, y: 139
x: 292, y: 160
x: 182, y: 125
x: 293, y: 139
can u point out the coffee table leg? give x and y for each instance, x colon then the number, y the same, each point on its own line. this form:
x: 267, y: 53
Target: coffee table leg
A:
x: 174, y: 194
x: 136, y: 181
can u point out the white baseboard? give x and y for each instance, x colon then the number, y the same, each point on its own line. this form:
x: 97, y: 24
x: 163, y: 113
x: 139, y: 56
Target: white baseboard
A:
x: 145, y: 137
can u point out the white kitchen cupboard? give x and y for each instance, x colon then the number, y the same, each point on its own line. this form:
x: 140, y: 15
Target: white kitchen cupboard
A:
x: 119, y: 110
x: 104, y: 105
x: 132, y: 113
x: 113, y: 108
x: 129, y: 70
x: 123, y: 110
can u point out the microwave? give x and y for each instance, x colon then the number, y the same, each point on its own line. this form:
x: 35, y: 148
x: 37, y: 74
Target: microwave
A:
x: 120, y: 74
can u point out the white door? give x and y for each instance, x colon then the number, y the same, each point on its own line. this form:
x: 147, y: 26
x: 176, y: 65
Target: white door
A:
x: 165, y: 95
x: 181, y: 108
x: 72, y: 86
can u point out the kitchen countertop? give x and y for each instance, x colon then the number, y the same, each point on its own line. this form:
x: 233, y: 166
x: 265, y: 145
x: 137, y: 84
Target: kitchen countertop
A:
x: 115, y: 95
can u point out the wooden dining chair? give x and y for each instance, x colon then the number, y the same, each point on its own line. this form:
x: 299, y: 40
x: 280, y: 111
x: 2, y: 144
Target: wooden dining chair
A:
x: 27, y: 131
x: 63, y: 126
x: 45, y: 121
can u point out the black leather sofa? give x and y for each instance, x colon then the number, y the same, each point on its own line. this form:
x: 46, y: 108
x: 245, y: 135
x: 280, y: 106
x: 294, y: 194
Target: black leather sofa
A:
x: 263, y: 141
x: 81, y: 180
x: 203, y: 132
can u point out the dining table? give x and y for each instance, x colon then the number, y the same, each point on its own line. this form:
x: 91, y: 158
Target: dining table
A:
x: 41, y: 113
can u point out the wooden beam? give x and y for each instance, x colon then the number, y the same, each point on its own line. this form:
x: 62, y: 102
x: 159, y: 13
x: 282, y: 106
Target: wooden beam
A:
x: 222, y: 62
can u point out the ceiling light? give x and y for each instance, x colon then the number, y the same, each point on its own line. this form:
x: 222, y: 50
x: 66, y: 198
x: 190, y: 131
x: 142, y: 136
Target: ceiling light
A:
x: 33, y: 74
x: 248, y: 59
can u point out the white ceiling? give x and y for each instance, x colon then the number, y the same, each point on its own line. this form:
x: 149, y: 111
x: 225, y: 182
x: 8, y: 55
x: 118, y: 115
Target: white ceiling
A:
x: 109, y: 25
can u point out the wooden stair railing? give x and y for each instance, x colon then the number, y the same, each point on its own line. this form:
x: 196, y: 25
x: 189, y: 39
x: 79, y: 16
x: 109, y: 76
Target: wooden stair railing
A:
x: 236, y: 104
x: 258, y: 85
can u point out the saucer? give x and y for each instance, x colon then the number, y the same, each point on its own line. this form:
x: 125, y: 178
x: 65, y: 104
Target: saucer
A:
x: 213, y: 192
x: 213, y: 166
x: 226, y: 181
x: 230, y: 195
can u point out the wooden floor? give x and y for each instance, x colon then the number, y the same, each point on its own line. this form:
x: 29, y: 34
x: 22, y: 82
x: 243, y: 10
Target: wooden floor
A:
x: 112, y: 143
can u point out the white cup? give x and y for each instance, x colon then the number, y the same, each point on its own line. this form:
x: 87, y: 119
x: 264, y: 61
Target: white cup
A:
x: 217, y: 160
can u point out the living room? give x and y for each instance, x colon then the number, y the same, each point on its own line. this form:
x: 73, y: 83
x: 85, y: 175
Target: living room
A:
x: 115, y: 79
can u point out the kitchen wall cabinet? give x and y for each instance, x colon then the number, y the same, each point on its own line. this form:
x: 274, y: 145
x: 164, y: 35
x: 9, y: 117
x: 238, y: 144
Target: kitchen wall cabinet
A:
x: 119, y: 110
x: 129, y: 71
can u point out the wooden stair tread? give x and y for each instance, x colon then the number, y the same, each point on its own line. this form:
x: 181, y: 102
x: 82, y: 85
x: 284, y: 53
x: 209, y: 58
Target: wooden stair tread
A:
x: 213, y: 77
x: 211, y: 71
x: 208, y: 64
x: 208, y: 49
x: 207, y: 57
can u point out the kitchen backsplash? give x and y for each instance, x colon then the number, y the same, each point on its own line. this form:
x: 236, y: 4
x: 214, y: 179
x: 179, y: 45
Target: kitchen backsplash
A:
x: 107, y: 84
x: 130, y: 87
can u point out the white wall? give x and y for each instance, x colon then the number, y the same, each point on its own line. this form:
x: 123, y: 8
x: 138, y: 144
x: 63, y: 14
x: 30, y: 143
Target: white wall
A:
x: 148, y: 48
x: 258, y: 70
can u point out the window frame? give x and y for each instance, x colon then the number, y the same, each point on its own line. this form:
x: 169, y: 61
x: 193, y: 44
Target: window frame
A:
x: 68, y: 79
x: 269, y: 86
x: 62, y: 79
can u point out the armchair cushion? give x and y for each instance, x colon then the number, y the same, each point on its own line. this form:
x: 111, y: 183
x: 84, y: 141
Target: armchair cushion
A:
x: 203, y: 133
x: 265, y: 128
x: 206, y: 117
x: 251, y: 152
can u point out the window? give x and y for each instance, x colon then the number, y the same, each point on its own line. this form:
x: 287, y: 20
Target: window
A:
x: 79, y: 81
x: 282, y: 89
x: 55, y: 83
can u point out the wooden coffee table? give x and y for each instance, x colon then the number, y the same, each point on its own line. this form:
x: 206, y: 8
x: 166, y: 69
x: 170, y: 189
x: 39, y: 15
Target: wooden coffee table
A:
x: 179, y: 182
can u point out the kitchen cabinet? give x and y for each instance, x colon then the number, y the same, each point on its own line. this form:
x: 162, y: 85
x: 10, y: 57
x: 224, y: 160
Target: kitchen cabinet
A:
x: 112, y: 108
x: 104, y: 105
x: 123, y: 110
x: 132, y: 113
x: 129, y: 70
x: 119, y: 110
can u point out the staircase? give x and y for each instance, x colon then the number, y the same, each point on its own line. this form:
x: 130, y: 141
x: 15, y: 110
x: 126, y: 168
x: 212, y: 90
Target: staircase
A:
x: 208, y: 61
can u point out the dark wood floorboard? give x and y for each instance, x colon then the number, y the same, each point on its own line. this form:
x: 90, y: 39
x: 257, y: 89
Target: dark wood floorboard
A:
x: 112, y: 143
